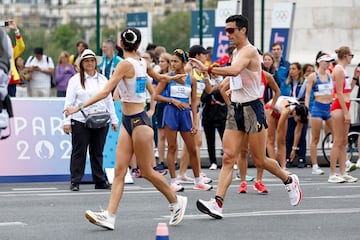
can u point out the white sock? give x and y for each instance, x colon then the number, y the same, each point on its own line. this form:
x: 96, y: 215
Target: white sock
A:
x: 197, y: 180
x: 173, y: 180
x: 315, y: 166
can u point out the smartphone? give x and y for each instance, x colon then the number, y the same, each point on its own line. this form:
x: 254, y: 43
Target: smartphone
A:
x: 4, y: 23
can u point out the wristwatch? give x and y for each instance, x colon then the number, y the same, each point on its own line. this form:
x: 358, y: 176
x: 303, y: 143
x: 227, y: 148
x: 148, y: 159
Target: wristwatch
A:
x: 81, y: 106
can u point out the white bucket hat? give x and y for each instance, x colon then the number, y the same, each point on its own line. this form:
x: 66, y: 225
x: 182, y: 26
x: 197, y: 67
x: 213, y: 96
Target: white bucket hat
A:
x: 88, y: 53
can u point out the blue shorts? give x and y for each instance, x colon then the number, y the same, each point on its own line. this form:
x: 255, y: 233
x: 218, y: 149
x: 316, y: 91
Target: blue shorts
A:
x: 321, y: 110
x: 247, y: 117
x: 176, y: 119
x: 132, y: 121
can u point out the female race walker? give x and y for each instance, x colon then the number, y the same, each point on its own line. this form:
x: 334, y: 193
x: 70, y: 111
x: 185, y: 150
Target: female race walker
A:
x: 136, y: 134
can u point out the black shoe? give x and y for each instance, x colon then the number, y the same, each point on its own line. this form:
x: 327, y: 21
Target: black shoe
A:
x: 103, y: 185
x: 301, y: 163
x: 74, y: 187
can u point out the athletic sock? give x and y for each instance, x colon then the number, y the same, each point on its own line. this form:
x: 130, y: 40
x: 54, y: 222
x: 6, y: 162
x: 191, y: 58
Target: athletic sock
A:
x: 288, y: 180
x: 219, y: 201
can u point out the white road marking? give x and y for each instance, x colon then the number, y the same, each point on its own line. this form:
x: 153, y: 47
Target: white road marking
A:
x: 275, y: 213
x: 7, y: 224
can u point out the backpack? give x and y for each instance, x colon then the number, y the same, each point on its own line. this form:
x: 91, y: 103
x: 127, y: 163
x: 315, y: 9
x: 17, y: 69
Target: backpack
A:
x: 52, y: 81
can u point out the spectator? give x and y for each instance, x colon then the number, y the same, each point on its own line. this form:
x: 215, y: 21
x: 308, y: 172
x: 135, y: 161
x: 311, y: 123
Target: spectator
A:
x: 268, y: 65
x: 25, y: 77
x: 320, y: 84
x: 80, y: 47
x: 298, y: 90
x: 109, y: 59
x: 357, y: 118
x: 282, y: 68
x: 208, y: 60
x: 284, y: 108
x: 164, y: 64
x: 41, y: 68
x: 340, y: 114
x: 198, y: 52
x: 213, y: 118
x: 86, y: 83
x: 63, y: 72
x: 177, y: 118
x: 18, y: 50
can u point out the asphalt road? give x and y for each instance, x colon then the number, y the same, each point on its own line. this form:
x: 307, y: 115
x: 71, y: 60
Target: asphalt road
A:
x: 51, y: 211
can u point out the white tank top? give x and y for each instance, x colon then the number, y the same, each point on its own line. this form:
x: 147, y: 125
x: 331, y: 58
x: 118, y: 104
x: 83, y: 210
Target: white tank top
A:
x: 133, y: 89
x: 245, y: 87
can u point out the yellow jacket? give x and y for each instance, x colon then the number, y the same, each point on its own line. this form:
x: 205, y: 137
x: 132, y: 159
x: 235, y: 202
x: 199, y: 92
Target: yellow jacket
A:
x: 18, y: 50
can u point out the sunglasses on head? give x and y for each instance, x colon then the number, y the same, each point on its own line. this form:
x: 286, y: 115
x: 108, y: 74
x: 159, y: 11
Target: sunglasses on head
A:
x: 231, y: 30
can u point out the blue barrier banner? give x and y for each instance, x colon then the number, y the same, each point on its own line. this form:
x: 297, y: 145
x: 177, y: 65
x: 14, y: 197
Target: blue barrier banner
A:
x: 221, y: 43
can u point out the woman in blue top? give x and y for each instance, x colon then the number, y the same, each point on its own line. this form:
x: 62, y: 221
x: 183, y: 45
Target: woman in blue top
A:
x: 320, y: 83
x: 180, y: 114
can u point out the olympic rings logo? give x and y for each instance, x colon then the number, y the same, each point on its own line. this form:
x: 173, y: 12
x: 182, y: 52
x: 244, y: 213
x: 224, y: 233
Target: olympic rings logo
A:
x: 224, y: 12
x: 282, y: 15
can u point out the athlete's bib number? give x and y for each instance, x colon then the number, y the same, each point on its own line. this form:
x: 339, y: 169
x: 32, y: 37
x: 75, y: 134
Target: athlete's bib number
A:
x: 140, y: 84
x: 236, y: 83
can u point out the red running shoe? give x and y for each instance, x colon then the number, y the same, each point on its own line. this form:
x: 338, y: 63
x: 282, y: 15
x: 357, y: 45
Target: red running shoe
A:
x: 260, y: 187
x: 242, y: 188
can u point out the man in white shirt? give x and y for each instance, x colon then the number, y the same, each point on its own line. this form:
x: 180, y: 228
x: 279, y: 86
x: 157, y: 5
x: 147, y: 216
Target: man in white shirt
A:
x: 42, y: 68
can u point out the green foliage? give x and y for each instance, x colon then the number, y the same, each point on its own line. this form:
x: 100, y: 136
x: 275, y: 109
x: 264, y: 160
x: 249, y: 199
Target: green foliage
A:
x: 173, y: 31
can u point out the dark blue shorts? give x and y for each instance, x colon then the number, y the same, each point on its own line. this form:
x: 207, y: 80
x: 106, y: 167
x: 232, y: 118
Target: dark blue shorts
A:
x: 321, y: 110
x: 176, y: 119
x: 159, y: 114
x: 132, y: 121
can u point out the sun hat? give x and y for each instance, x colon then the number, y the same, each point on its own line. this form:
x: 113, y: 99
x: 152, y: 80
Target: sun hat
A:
x: 326, y: 58
x: 87, y: 53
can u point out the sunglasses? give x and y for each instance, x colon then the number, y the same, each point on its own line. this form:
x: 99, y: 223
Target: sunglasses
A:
x: 231, y: 30
x: 351, y: 55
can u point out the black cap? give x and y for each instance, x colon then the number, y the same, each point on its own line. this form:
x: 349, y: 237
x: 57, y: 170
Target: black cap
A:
x: 197, y: 49
x: 39, y: 50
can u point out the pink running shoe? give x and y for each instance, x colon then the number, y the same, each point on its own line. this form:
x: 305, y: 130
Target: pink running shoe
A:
x: 202, y: 186
x: 243, y: 187
x: 260, y: 187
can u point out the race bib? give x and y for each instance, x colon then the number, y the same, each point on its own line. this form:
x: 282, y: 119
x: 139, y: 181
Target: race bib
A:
x: 236, y: 82
x: 200, y: 87
x: 140, y: 84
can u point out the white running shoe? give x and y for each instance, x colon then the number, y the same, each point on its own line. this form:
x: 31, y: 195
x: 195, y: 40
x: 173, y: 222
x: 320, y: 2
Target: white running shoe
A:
x: 184, y: 179
x: 206, y: 180
x: 348, y: 178
x: 294, y: 190
x: 177, y: 210
x: 213, y: 166
x: 102, y: 219
x: 349, y: 167
x: 358, y: 163
x: 334, y: 178
x: 176, y: 187
x: 235, y: 167
x: 317, y: 171
x: 210, y: 208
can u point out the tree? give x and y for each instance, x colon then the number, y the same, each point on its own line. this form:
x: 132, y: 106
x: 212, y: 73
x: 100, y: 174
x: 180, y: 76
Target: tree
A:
x: 173, y: 31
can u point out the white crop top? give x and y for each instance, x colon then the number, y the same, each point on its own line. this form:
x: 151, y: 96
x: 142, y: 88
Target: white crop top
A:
x: 133, y: 89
